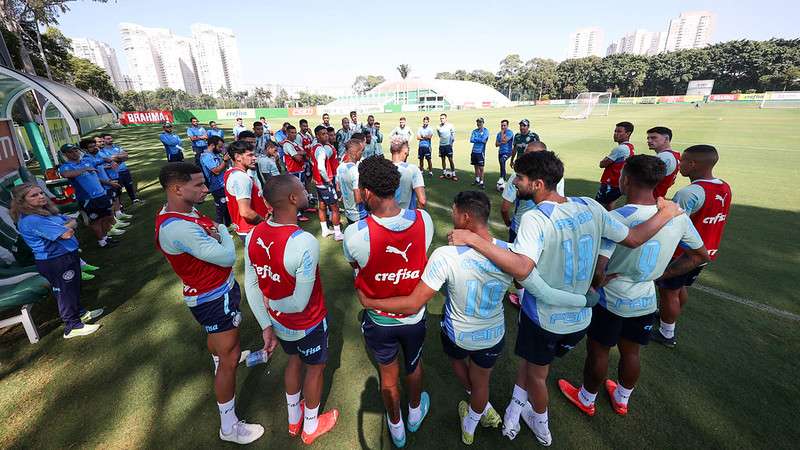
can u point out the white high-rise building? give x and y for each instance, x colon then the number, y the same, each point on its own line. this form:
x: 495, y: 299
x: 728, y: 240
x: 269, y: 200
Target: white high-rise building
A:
x: 143, y: 61
x: 217, y: 58
x: 640, y: 42
x: 158, y: 58
x: 690, y: 30
x: 103, y: 56
x: 585, y: 42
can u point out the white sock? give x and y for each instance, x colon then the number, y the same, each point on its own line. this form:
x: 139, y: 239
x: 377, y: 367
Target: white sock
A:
x: 337, y: 229
x: 667, y: 329
x: 586, y: 397
x: 293, y: 407
x: 325, y: 229
x: 103, y: 242
x: 470, y: 421
x: 227, y: 415
x: 397, y: 429
x: 486, y: 409
x: 540, y: 424
x: 520, y: 293
x: 622, y: 394
x: 414, y: 414
x: 310, y: 421
x: 518, y: 399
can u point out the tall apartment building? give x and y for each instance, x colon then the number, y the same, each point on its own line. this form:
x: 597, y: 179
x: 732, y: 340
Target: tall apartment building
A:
x: 159, y: 59
x: 103, y: 56
x: 217, y: 56
x: 640, y: 42
x: 585, y: 42
x: 690, y: 30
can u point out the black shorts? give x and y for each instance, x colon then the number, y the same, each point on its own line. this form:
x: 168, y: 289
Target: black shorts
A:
x: 607, y: 328
x: 445, y: 150
x: 384, y: 342
x: 476, y: 159
x: 424, y: 152
x: 327, y: 195
x: 221, y: 314
x: 607, y: 194
x: 312, y: 348
x: 539, y: 346
x: 111, y: 193
x: 175, y: 158
x: 97, y: 208
x: 484, y: 357
x: 125, y: 177
x: 680, y: 281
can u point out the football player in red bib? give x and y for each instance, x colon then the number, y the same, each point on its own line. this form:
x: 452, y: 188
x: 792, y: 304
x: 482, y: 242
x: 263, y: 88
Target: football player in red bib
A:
x: 707, y: 200
x: 202, y: 254
x: 389, y: 251
x: 612, y: 166
x: 284, y: 291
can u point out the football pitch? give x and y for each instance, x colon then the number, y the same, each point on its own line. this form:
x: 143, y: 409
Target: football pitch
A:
x: 145, y: 379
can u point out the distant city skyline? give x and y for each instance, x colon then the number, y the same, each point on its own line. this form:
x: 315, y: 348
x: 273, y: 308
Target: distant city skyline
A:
x: 310, y: 54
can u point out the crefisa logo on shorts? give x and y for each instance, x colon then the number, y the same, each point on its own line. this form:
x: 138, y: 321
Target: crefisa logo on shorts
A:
x: 68, y: 275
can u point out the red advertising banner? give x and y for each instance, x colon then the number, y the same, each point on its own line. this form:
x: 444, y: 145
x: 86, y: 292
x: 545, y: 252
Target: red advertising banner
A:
x: 309, y: 111
x: 723, y: 97
x: 671, y: 99
x: 145, y: 117
x: 9, y: 161
x: 486, y: 104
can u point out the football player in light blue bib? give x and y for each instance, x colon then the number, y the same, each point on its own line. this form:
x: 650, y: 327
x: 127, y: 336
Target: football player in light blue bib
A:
x: 561, y: 239
x: 625, y: 313
x: 411, y: 192
x: 347, y: 183
x: 473, y: 325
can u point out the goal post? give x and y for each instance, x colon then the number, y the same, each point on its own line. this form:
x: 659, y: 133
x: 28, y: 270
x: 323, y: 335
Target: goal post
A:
x: 587, y: 104
x: 780, y: 99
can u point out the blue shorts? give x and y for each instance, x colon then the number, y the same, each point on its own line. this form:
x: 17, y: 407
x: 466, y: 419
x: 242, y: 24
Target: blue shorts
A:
x: 312, y: 348
x: 97, y: 208
x: 445, y: 150
x: 477, y: 159
x: 221, y: 314
x: 484, y: 357
x: 327, y: 195
x: 539, y: 346
x: 424, y: 152
x: 607, y: 194
x: 384, y: 342
x: 607, y: 328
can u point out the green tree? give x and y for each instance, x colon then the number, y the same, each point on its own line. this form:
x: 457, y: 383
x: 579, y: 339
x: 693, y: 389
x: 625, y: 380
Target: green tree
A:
x: 404, y: 70
x: 364, y: 83
x: 91, y: 78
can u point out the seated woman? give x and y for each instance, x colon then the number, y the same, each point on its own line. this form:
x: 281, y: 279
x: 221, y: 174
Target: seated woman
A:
x: 51, y: 236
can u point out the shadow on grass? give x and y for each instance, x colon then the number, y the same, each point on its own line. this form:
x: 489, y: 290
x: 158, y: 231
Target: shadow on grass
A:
x: 145, y: 379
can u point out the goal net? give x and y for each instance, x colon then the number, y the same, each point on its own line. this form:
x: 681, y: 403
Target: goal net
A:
x: 781, y: 99
x: 587, y: 104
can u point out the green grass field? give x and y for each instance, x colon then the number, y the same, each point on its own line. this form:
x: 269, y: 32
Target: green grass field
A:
x: 145, y: 379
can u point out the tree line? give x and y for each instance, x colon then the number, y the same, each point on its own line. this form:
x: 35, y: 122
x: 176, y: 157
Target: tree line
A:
x: 737, y: 66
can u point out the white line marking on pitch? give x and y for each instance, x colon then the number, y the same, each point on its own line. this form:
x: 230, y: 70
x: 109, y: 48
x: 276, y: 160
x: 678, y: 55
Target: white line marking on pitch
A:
x: 708, y: 290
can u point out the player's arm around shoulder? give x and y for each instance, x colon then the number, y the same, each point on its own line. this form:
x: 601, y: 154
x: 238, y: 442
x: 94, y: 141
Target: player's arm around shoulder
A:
x: 514, y: 263
x: 255, y: 298
x: 433, y: 278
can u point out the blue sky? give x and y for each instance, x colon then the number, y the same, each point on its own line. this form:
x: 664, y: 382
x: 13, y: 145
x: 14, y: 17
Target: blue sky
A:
x: 330, y: 43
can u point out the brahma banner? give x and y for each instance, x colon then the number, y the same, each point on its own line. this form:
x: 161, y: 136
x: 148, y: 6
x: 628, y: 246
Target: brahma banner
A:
x: 304, y: 112
x: 145, y: 117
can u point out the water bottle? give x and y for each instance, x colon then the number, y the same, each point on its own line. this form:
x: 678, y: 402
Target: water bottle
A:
x: 256, y: 358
